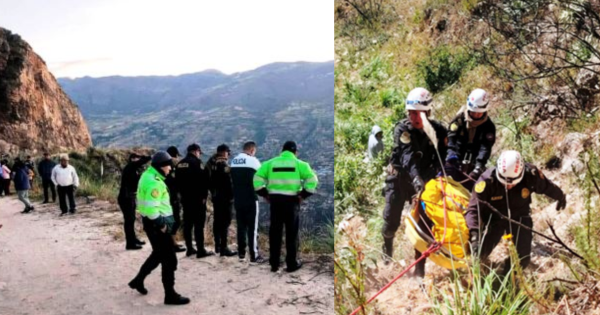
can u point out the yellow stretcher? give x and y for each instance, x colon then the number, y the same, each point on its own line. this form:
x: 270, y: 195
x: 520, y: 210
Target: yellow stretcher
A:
x: 455, y: 246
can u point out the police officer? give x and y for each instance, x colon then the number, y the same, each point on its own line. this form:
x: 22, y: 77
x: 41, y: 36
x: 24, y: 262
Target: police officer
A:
x: 192, y: 183
x: 471, y: 137
x: 285, y: 181
x: 414, y: 161
x: 127, y: 197
x: 221, y: 190
x: 172, y: 186
x: 243, y: 168
x: 508, y: 188
x: 157, y: 216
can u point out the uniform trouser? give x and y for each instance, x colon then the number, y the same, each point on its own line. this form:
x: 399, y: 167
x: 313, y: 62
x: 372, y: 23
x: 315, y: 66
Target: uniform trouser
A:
x: 127, y: 206
x: 163, y: 253
x: 284, y: 212
x: 24, y: 197
x: 176, y: 216
x: 194, y: 218
x: 221, y: 222
x: 247, y: 228
x: 521, y: 237
x: 48, y: 184
x: 6, y: 186
x: 397, y: 191
x: 65, y: 192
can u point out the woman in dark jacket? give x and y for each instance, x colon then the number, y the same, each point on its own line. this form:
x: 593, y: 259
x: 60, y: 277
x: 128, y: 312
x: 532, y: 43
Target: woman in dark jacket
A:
x: 22, y: 184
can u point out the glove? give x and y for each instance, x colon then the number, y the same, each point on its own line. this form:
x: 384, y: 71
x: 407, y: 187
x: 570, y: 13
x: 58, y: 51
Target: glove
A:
x: 476, y: 173
x: 561, y: 204
x: 474, y: 241
x: 418, y: 184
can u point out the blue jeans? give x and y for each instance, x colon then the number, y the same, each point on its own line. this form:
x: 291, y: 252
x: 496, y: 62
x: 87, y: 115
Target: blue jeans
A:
x: 24, y: 197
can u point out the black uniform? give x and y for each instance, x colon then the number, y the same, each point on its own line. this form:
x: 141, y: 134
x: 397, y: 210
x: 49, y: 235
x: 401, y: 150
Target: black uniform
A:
x: 243, y: 168
x: 221, y: 190
x: 490, y: 190
x: 45, y: 168
x: 415, y: 162
x: 127, y: 196
x: 174, y: 199
x: 471, y: 149
x: 192, y: 183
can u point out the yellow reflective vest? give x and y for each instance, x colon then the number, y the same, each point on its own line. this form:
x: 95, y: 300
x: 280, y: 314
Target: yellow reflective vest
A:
x: 285, y: 175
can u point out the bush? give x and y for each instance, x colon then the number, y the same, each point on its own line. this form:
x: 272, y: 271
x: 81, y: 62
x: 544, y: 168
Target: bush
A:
x: 442, y: 68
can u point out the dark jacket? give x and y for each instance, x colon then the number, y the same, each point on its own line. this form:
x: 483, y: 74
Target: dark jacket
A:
x: 490, y: 190
x: 21, y: 176
x: 173, y: 193
x: 131, y: 177
x: 478, y: 152
x: 414, y: 154
x: 192, y: 179
x: 45, y: 168
x: 243, y: 168
x: 221, y: 187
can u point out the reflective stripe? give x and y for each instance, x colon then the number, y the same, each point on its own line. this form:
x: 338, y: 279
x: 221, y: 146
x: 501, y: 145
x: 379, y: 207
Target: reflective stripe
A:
x: 256, y: 231
x: 285, y: 182
x: 311, y: 180
x: 312, y: 191
x: 283, y: 192
x: 144, y: 203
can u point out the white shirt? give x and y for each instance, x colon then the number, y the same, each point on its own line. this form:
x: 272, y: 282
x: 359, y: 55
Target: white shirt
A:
x: 64, y: 176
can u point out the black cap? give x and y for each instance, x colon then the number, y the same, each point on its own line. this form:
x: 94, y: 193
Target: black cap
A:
x: 172, y: 150
x: 223, y: 148
x: 193, y: 147
x: 290, y: 146
x: 134, y: 155
x: 160, y: 159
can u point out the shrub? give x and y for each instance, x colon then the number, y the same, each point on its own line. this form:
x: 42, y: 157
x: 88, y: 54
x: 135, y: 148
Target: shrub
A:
x: 442, y: 68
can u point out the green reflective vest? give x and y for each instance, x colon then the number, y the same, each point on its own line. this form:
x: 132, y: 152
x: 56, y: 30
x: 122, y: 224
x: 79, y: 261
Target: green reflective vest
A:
x: 152, y: 195
x: 285, y: 175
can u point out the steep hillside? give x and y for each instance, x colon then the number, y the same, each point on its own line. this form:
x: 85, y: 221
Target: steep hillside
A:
x: 539, y: 62
x: 35, y: 113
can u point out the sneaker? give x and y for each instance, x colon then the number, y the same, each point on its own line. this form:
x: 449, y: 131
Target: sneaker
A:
x: 257, y: 260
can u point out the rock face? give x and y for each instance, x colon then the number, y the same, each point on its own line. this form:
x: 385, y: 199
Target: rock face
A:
x: 35, y: 113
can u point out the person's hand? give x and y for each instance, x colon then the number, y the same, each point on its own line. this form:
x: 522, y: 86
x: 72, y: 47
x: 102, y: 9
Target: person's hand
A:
x: 164, y: 229
x: 476, y: 173
x: 561, y: 204
x: 474, y: 241
x: 418, y: 184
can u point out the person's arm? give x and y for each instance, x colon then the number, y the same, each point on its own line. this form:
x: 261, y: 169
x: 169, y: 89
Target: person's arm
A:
x: 53, y: 176
x: 485, y: 150
x: 75, y: 177
x: 260, y: 180
x: 542, y: 185
x: 309, y: 178
x: 453, y: 156
x: 474, y: 212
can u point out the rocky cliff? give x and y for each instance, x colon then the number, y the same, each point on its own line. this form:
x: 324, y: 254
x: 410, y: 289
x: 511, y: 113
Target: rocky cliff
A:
x: 35, y: 113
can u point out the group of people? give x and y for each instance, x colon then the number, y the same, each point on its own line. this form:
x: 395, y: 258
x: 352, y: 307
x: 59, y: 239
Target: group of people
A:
x: 61, y: 177
x: 170, y: 185
x: 462, y: 152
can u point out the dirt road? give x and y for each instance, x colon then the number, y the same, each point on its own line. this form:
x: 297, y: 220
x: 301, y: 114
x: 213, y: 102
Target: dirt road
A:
x: 74, y: 265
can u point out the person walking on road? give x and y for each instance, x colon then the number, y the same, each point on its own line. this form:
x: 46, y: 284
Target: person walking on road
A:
x: 45, y: 168
x: 66, y: 180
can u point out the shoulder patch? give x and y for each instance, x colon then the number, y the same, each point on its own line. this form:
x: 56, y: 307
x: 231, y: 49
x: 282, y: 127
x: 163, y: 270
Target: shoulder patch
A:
x: 480, y: 187
x: 453, y: 127
x: 525, y: 193
x: 155, y: 193
x: 405, y: 138
x: 490, y: 136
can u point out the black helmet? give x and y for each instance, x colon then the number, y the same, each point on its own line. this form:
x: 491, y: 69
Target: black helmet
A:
x: 290, y: 146
x: 160, y: 159
x: 223, y: 148
x: 172, y: 150
x: 193, y: 147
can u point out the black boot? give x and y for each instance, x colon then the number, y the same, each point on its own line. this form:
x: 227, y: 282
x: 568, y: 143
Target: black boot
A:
x: 138, y: 242
x: 420, y: 267
x: 204, y: 253
x: 388, y: 249
x: 190, y: 251
x: 174, y: 298
x: 138, y: 284
x: 227, y: 252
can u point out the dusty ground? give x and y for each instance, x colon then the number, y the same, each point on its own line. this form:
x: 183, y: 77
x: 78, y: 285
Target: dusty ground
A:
x: 74, y: 265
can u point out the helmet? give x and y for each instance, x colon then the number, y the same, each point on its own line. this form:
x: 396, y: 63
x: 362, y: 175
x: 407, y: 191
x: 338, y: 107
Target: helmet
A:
x: 418, y: 99
x: 161, y: 158
x: 510, y: 168
x: 478, y: 101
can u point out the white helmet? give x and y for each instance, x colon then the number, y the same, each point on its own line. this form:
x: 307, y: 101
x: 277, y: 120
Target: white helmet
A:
x: 510, y: 168
x: 478, y: 101
x: 418, y: 99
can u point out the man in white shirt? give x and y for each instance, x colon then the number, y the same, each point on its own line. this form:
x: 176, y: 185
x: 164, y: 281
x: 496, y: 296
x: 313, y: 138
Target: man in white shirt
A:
x: 66, y: 181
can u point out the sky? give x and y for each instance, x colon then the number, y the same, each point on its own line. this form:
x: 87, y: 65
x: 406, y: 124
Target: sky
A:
x: 151, y: 37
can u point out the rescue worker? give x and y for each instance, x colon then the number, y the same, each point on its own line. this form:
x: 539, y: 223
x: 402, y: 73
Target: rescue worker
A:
x: 243, y: 168
x: 175, y: 205
x: 127, y: 198
x: 221, y: 191
x: 157, y: 217
x: 192, y: 184
x: 285, y: 181
x: 413, y: 163
x: 471, y: 137
x: 508, y: 188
